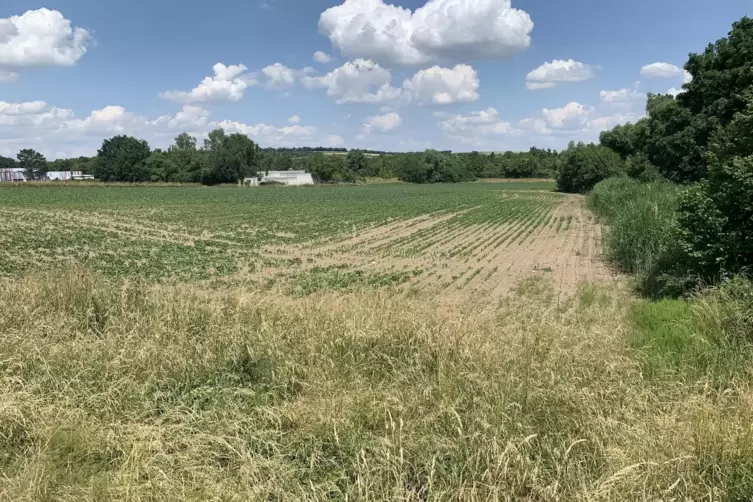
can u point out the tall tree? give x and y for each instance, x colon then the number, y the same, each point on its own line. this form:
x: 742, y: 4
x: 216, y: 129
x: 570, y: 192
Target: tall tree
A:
x: 123, y: 158
x: 33, y: 163
x: 229, y: 158
x: 356, y: 161
x: 186, y: 159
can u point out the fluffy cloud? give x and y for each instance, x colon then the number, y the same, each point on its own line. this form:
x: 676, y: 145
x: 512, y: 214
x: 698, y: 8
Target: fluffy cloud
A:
x: 569, y: 115
x: 484, y: 122
x: 441, y: 30
x: 548, y: 75
x: 380, y: 124
x: 442, y: 86
x: 229, y: 83
x: 41, y: 38
x: 30, y: 108
x: 268, y: 134
x: 574, y: 121
x: 364, y: 81
x: 662, y: 70
x: 627, y: 95
x: 278, y: 75
x: 295, y: 119
x: 359, y: 81
x: 8, y: 76
x: 59, y: 132
x: 322, y: 57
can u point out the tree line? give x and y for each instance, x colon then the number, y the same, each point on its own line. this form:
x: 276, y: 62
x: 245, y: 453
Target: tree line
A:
x: 702, y: 141
x: 228, y: 158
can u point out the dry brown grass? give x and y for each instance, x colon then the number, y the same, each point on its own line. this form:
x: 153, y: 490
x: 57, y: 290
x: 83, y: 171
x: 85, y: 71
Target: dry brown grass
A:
x: 127, y: 392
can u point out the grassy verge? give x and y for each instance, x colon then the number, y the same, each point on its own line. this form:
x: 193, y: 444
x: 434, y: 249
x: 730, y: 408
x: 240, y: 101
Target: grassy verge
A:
x: 641, y: 238
x: 116, y: 391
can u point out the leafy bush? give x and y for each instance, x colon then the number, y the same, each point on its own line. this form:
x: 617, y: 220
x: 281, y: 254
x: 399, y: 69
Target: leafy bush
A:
x: 583, y: 166
x: 716, y: 220
x: 433, y: 166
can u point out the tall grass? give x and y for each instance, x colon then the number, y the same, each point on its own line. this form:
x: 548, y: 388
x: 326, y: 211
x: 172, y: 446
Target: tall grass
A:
x: 640, y: 236
x: 117, y: 391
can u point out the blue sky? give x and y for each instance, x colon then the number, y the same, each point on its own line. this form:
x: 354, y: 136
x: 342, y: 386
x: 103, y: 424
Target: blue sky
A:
x: 449, y: 74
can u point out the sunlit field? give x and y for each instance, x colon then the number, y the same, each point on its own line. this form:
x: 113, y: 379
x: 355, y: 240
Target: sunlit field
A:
x: 379, y: 342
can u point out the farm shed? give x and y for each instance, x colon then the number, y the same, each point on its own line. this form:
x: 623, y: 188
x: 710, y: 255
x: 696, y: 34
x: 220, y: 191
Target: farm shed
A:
x: 12, y: 174
x: 68, y: 175
x: 292, y: 178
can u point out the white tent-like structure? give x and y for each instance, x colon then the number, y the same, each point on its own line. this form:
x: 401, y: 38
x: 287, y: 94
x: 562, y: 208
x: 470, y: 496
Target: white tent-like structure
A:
x: 292, y: 178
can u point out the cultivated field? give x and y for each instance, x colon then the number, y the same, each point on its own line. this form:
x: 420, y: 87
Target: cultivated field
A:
x: 446, y: 240
x: 390, y: 342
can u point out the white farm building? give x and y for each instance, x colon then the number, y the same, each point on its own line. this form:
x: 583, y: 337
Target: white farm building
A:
x: 291, y: 178
x: 12, y: 174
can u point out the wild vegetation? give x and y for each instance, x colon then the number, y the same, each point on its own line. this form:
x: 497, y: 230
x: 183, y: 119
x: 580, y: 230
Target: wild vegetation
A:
x: 701, y: 234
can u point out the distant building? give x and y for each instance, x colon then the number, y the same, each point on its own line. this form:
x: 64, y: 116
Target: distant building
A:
x: 292, y: 178
x: 67, y: 176
x: 12, y: 174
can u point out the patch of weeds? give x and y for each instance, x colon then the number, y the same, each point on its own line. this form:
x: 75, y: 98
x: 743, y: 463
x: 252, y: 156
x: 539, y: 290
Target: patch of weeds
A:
x: 535, y: 286
x: 341, y: 278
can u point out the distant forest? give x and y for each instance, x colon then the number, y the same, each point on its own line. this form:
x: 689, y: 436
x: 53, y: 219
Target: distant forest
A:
x: 228, y: 158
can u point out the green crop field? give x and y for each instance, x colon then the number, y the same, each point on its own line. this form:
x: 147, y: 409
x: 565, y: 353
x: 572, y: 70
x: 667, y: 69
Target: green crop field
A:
x: 436, y: 238
x: 374, y: 342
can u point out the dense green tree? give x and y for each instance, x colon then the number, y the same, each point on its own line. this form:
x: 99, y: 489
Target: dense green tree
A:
x: 356, y: 161
x: 433, y: 166
x: 7, y: 162
x: 721, y: 75
x: 716, y: 216
x: 228, y: 158
x: 33, y: 163
x: 583, y: 166
x: 161, y: 166
x: 123, y: 158
x: 186, y: 158
x: 628, y: 139
x: 676, y: 140
x: 330, y: 168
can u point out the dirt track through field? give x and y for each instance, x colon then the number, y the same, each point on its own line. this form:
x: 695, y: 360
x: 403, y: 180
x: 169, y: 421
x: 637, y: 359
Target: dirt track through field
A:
x: 467, y: 253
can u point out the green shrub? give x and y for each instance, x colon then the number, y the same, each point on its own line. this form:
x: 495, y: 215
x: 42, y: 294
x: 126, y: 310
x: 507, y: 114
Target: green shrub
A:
x: 583, y: 166
x: 716, y: 220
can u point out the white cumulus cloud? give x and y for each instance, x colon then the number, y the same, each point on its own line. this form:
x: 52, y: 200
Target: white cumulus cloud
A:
x: 662, y: 70
x: 549, y: 74
x: 572, y: 114
x: 359, y: 81
x: 229, y: 83
x: 626, y: 95
x: 295, y: 119
x: 41, y: 37
x: 442, y: 86
x: 439, y: 31
x: 483, y: 122
x: 29, y: 108
x: 364, y: 81
x: 322, y: 57
x: 380, y: 124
